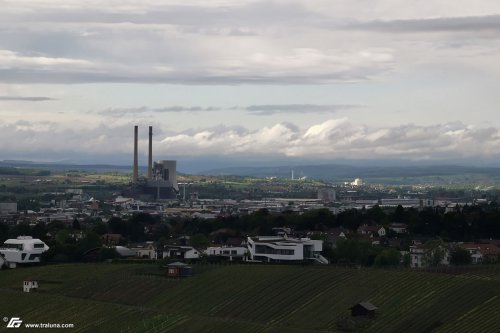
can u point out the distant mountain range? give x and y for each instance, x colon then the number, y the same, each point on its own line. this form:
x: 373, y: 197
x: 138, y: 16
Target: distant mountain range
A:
x: 341, y: 171
x: 63, y: 166
x: 328, y: 172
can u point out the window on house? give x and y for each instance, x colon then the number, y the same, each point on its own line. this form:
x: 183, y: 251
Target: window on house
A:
x: 14, y: 246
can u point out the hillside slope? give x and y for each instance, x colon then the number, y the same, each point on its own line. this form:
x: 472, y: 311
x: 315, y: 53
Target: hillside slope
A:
x: 248, y: 298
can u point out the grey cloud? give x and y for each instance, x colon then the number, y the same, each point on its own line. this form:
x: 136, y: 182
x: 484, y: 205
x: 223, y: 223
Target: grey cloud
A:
x: 264, y: 12
x: 261, y: 110
x: 297, y: 108
x: 167, y: 109
x: 26, y: 98
x: 194, y: 77
x: 451, y: 24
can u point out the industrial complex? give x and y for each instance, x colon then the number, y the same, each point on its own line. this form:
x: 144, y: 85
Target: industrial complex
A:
x: 160, y: 183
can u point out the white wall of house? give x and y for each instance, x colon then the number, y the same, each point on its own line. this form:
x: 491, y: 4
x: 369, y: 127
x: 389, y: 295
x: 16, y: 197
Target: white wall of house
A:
x: 398, y: 230
x: 417, y: 256
x: 185, y: 252
x: 192, y: 254
x: 148, y: 252
x: 221, y: 251
x: 29, y: 286
x: 23, y: 250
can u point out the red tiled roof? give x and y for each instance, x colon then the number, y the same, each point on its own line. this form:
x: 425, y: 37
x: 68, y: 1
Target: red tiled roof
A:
x: 484, y: 248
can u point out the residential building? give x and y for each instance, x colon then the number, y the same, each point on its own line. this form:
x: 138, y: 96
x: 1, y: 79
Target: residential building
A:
x: 416, y: 256
x: 419, y: 255
x: 230, y: 253
x: 481, y: 252
x: 23, y: 250
x: 276, y: 248
x: 371, y: 230
x: 399, y: 228
x: 146, y: 250
x: 180, y: 252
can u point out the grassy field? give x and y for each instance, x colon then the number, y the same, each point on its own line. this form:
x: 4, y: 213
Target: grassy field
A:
x: 248, y: 298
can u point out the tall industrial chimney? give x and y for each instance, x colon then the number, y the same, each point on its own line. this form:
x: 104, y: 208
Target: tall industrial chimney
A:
x: 136, y: 160
x: 150, y: 155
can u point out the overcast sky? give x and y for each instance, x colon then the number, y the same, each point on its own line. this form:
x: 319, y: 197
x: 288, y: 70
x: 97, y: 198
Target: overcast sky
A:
x: 315, y: 80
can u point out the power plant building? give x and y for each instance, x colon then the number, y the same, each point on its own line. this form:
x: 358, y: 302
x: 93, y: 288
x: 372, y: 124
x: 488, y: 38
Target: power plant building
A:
x: 161, y: 180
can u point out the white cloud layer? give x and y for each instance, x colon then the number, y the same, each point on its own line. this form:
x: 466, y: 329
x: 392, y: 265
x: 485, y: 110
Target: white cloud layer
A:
x: 332, y: 139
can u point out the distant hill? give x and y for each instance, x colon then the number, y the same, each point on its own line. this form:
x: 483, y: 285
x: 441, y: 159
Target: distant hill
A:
x: 340, y: 171
x: 64, y: 167
x: 329, y: 172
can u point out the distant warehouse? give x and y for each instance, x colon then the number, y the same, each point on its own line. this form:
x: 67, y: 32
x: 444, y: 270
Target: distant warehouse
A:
x: 8, y: 208
x: 407, y: 203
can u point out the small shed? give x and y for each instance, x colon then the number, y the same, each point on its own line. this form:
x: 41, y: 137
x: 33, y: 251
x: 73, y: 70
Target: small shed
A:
x: 30, y: 285
x: 179, y: 269
x: 365, y: 309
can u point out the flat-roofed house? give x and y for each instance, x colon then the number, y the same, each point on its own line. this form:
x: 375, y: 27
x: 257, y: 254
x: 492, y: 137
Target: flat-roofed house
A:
x: 22, y: 250
x: 284, y: 249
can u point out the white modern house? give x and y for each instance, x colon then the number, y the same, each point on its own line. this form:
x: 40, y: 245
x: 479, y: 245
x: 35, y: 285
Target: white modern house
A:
x: 276, y: 248
x: 230, y: 253
x: 22, y: 250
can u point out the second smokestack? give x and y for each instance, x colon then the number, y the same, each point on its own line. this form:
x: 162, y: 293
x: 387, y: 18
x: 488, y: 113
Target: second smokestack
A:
x: 150, y: 155
x: 136, y: 160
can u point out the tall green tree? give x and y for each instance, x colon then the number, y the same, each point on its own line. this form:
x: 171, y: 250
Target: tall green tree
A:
x: 460, y: 256
x: 388, y: 257
x: 434, y: 253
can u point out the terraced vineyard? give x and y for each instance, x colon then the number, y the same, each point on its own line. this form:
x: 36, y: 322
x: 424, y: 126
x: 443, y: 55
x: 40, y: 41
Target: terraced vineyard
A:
x: 252, y: 298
